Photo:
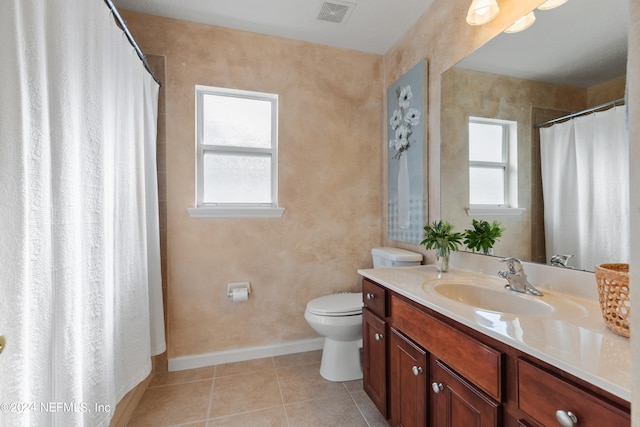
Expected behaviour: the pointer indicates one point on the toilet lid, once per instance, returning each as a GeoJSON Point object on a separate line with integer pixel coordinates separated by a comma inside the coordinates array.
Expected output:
{"type": "Point", "coordinates": [343, 304]}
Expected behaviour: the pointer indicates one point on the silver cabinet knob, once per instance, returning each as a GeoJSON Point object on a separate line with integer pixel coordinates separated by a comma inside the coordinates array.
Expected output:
{"type": "Point", "coordinates": [370, 296]}
{"type": "Point", "coordinates": [378, 337]}
{"type": "Point", "coordinates": [417, 370]}
{"type": "Point", "coordinates": [566, 418]}
{"type": "Point", "coordinates": [437, 387]}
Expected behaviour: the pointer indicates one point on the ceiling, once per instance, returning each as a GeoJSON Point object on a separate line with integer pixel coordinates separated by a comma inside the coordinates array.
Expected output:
{"type": "Point", "coordinates": [581, 43]}
{"type": "Point", "coordinates": [371, 26]}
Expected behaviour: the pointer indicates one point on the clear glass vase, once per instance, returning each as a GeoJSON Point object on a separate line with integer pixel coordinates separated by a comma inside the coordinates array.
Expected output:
{"type": "Point", "coordinates": [442, 260]}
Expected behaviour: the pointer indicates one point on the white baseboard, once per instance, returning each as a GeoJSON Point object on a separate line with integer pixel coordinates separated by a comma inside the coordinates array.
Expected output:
{"type": "Point", "coordinates": [245, 353]}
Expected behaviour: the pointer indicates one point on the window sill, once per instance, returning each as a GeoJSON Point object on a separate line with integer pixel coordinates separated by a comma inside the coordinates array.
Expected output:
{"type": "Point", "coordinates": [494, 211]}
{"type": "Point", "coordinates": [235, 212]}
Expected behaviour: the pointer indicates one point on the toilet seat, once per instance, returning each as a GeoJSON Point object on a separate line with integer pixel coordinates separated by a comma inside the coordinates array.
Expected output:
{"type": "Point", "coordinates": [342, 304]}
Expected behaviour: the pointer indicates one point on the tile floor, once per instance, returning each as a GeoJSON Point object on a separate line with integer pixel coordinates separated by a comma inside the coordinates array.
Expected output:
{"type": "Point", "coordinates": [282, 391]}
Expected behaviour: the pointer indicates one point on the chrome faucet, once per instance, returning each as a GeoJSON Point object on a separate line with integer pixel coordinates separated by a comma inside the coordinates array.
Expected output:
{"type": "Point", "coordinates": [517, 278]}
{"type": "Point", "coordinates": [560, 260]}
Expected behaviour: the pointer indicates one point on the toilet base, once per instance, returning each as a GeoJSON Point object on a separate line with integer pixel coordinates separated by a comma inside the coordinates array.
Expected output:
{"type": "Point", "coordinates": [341, 360]}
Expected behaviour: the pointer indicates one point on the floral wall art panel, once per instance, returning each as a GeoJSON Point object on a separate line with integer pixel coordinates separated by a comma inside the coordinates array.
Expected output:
{"type": "Point", "coordinates": [406, 100]}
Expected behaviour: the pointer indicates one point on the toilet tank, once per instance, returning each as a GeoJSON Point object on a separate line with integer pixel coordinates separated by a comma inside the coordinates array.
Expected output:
{"type": "Point", "coordinates": [394, 257]}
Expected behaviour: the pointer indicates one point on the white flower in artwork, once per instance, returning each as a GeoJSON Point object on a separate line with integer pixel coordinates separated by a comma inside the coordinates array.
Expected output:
{"type": "Point", "coordinates": [412, 117]}
{"type": "Point", "coordinates": [396, 118]}
{"type": "Point", "coordinates": [403, 121]}
{"type": "Point", "coordinates": [405, 96]}
{"type": "Point", "coordinates": [402, 133]}
{"type": "Point", "coordinates": [400, 144]}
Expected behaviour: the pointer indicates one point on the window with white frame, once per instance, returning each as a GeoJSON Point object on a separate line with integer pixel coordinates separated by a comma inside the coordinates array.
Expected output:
{"type": "Point", "coordinates": [236, 153]}
{"type": "Point", "coordinates": [492, 163]}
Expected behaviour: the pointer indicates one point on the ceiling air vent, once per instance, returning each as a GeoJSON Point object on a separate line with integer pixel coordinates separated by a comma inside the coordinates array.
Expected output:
{"type": "Point", "coordinates": [335, 11]}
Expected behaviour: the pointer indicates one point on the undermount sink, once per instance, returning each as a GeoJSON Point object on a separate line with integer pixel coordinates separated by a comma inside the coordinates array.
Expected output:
{"type": "Point", "coordinates": [491, 299]}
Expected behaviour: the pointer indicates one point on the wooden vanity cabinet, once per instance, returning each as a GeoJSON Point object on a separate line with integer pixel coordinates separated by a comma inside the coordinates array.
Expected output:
{"type": "Point", "coordinates": [374, 359]}
{"type": "Point", "coordinates": [409, 374]}
{"type": "Point", "coordinates": [481, 365]}
{"type": "Point", "coordinates": [455, 402]}
{"type": "Point", "coordinates": [374, 345]}
{"type": "Point", "coordinates": [374, 298]}
{"type": "Point", "coordinates": [433, 371]}
{"type": "Point", "coordinates": [542, 395]}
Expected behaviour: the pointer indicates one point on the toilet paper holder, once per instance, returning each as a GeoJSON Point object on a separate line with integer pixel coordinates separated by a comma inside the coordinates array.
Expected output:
{"type": "Point", "coordinates": [231, 286]}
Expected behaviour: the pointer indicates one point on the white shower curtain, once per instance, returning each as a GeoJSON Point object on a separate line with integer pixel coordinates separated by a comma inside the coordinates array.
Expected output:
{"type": "Point", "coordinates": [585, 181]}
{"type": "Point", "coordinates": [80, 290]}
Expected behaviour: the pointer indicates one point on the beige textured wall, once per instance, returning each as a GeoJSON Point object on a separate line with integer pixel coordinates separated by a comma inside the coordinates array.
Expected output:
{"type": "Point", "coordinates": [607, 91]}
{"type": "Point", "coordinates": [330, 128]}
{"type": "Point", "coordinates": [470, 93]}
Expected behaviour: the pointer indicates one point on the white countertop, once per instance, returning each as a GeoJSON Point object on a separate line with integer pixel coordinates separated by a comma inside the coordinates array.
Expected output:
{"type": "Point", "coordinates": [572, 336]}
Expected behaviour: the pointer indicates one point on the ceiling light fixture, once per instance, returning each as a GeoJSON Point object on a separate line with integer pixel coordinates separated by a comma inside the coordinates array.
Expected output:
{"type": "Point", "coordinates": [550, 4]}
{"type": "Point", "coordinates": [482, 11]}
{"type": "Point", "coordinates": [522, 24]}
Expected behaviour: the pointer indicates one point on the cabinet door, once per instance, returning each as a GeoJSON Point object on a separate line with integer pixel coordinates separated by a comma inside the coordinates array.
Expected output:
{"type": "Point", "coordinates": [479, 363]}
{"type": "Point", "coordinates": [374, 360]}
{"type": "Point", "coordinates": [408, 380]}
{"type": "Point", "coordinates": [457, 403]}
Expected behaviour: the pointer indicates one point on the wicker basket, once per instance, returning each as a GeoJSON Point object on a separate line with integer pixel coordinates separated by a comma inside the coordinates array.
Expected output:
{"type": "Point", "coordinates": [613, 293]}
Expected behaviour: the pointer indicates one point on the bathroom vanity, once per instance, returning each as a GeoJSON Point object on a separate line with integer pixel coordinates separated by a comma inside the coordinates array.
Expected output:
{"type": "Point", "coordinates": [457, 349]}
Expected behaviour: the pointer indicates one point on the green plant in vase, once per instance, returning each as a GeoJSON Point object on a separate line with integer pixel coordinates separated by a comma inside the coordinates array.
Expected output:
{"type": "Point", "coordinates": [441, 237]}
{"type": "Point", "coordinates": [482, 236]}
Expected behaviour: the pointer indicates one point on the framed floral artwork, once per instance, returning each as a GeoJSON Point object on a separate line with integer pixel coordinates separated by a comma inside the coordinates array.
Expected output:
{"type": "Point", "coordinates": [406, 107]}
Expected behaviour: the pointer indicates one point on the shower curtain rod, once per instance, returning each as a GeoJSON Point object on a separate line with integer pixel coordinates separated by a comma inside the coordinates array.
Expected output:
{"type": "Point", "coordinates": [580, 113]}
{"type": "Point", "coordinates": [126, 31]}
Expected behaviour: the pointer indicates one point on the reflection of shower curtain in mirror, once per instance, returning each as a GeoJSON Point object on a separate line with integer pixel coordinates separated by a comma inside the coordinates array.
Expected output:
{"type": "Point", "coordinates": [585, 181]}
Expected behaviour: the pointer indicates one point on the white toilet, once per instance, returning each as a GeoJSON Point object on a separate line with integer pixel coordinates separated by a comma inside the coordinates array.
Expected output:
{"type": "Point", "coordinates": [338, 318]}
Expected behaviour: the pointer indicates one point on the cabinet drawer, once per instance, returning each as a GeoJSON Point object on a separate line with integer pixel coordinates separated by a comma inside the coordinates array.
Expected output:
{"type": "Point", "coordinates": [478, 363]}
{"type": "Point", "coordinates": [541, 394]}
{"type": "Point", "coordinates": [374, 297]}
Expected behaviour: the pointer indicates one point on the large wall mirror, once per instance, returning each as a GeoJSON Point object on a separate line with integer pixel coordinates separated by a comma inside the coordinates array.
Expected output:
{"type": "Point", "coordinates": [571, 59]}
